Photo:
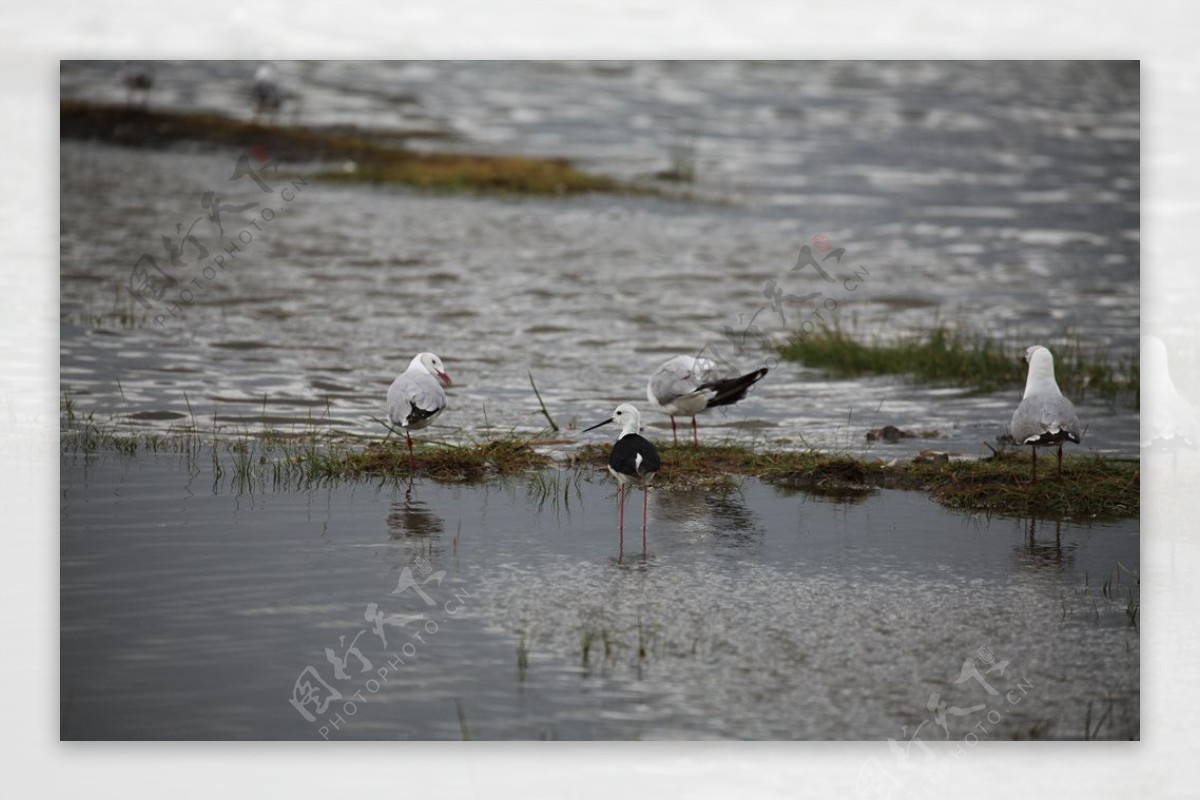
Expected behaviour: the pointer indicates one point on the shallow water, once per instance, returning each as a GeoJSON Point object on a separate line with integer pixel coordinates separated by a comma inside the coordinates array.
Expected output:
{"type": "Point", "coordinates": [190, 609]}
{"type": "Point", "coordinates": [1001, 195]}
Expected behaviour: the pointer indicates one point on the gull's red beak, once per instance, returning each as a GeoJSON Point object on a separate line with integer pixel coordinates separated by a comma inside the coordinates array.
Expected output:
{"type": "Point", "coordinates": [445, 378]}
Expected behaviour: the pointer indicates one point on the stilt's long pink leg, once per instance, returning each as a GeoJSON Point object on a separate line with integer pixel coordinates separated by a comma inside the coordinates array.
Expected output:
{"type": "Point", "coordinates": [621, 525]}
{"type": "Point", "coordinates": [645, 508]}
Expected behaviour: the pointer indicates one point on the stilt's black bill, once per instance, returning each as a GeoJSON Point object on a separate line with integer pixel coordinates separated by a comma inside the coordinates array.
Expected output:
{"type": "Point", "coordinates": [606, 422]}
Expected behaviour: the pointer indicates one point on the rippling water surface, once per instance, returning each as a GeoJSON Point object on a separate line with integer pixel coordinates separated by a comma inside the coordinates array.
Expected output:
{"type": "Point", "coordinates": [191, 610]}
{"type": "Point", "coordinates": [1000, 195]}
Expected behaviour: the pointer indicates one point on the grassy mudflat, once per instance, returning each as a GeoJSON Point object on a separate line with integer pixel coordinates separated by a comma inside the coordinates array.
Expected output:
{"type": "Point", "coordinates": [1091, 487]}
{"type": "Point", "coordinates": [373, 158]}
{"type": "Point", "coordinates": [945, 355]}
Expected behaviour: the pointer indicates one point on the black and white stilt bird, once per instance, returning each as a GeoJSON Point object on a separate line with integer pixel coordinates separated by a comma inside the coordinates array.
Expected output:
{"type": "Point", "coordinates": [1044, 416]}
{"type": "Point", "coordinates": [416, 397]}
{"type": "Point", "coordinates": [687, 386]}
{"type": "Point", "coordinates": [634, 459]}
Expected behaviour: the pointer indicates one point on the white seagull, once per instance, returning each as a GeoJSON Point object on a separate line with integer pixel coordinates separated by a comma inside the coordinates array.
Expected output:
{"type": "Point", "coordinates": [1044, 416]}
{"type": "Point", "coordinates": [267, 95]}
{"type": "Point", "coordinates": [1168, 420]}
{"type": "Point", "coordinates": [416, 397]}
{"type": "Point", "coordinates": [633, 459]}
{"type": "Point", "coordinates": [685, 385]}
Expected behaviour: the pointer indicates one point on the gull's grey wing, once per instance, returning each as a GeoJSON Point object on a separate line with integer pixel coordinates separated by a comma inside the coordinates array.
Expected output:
{"type": "Point", "coordinates": [1045, 419]}
{"type": "Point", "coordinates": [673, 380]}
{"type": "Point", "coordinates": [414, 398]}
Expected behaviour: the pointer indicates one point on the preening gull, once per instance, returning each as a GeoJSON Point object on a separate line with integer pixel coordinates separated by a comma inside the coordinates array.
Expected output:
{"type": "Point", "coordinates": [686, 385]}
{"type": "Point", "coordinates": [633, 459]}
{"type": "Point", "coordinates": [416, 397]}
{"type": "Point", "coordinates": [1044, 416]}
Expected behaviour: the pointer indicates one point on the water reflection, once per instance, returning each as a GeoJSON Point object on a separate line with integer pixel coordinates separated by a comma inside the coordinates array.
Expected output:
{"type": "Point", "coordinates": [707, 516]}
{"type": "Point", "coordinates": [1043, 546]}
{"type": "Point", "coordinates": [740, 623]}
{"type": "Point", "coordinates": [412, 517]}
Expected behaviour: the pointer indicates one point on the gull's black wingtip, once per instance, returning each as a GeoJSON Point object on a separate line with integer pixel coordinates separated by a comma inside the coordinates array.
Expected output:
{"type": "Point", "coordinates": [732, 390]}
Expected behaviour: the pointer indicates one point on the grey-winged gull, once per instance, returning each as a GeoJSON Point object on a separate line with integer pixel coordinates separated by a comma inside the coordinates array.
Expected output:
{"type": "Point", "coordinates": [416, 397]}
{"type": "Point", "coordinates": [686, 385]}
{"type": "Point", "coordinates": [633, 459]}
{"type": "Point", "coordinates": [1044, 416]}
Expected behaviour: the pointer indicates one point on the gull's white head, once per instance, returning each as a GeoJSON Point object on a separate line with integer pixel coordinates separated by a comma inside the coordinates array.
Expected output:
{"type": "Point", "coordinates": [1041, 370]}
{"type": "Point", "coordinates": [430, 363]}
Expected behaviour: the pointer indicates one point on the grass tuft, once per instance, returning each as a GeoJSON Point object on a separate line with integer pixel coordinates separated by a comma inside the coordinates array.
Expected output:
{"type": "Point", "coordinates": [945, 355]}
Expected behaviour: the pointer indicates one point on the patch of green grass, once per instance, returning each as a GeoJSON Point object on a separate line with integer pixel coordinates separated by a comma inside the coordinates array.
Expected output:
{"type": "Point", "coordinates": [514, 175]}
{"type": "Point", "coordinates": [945, 355]}
{"type": "Point", "coordinates": [317, 455]}
{"type": "Point", "coordinates": [1091, 487]}
{"type": "Point", "coordinates": [443, 462]}
{"type": "Point", "coordinates": [372, 158]}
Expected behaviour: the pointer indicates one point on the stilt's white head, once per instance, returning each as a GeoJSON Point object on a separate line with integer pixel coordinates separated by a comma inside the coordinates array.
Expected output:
{"type": "Point", "coordinates": [430, 363]}
{"type": "Point", "coordinates": [627, 417]}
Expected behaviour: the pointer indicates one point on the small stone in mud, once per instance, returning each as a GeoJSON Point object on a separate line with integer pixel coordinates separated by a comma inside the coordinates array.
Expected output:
{"type": "Point", "coordinates": [932, 457]}
{"type": "Point", "coordinates": [887, 434]}
{"type": "Point", "coordinates": [893, 434]}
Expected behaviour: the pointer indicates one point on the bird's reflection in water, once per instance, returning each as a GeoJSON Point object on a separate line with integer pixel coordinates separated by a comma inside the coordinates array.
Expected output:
{"type": "Point", "coordinates": [1043, 545]}
{"type": "Point", "coordinates": [700, 515]}
{"type": "Point", "coordinates": [412, 517]}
